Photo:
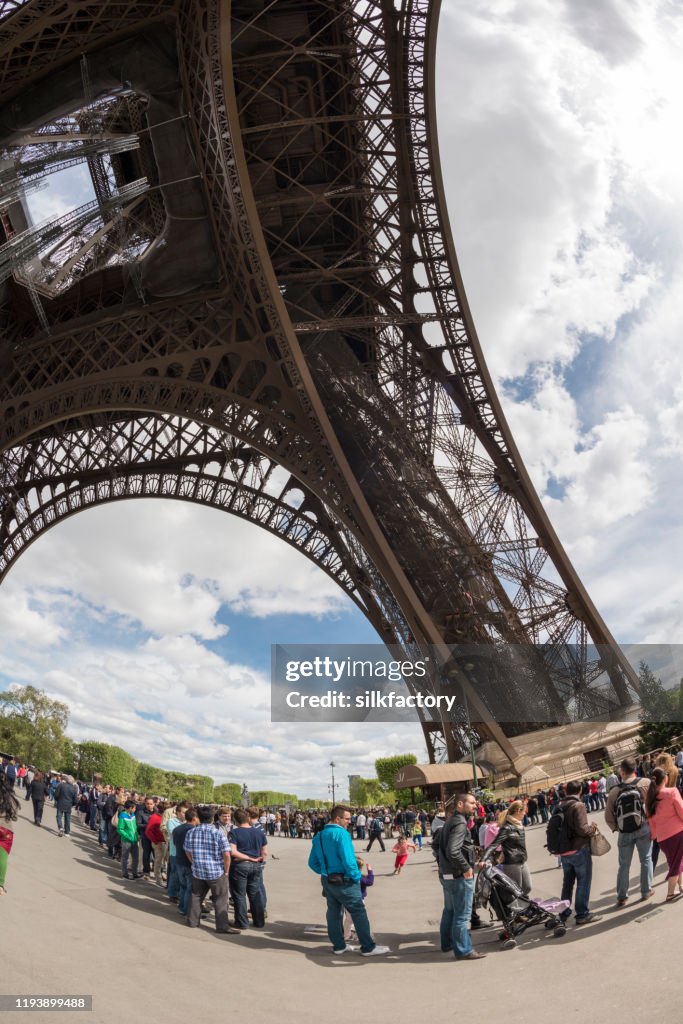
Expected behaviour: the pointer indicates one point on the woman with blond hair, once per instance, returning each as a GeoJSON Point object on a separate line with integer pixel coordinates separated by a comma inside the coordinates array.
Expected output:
{"type": "Point", "coordinates": [664, 806]}
{"type": "Point", "coordinates": [510, 845]}
{"type": "Point", "coordinates": [667, 763]}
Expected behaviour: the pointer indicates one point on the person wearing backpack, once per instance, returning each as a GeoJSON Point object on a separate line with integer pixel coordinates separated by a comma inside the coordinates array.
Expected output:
{"type": "Point", "coordinates": [376, 833]}
{"type": "Point", "coordinates": [625, 814]}
{"type": "Point", "coordinates": [569, 833]}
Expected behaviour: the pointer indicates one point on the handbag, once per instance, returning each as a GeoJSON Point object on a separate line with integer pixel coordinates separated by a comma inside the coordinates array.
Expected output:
{"type": "Point", "coordinates": [599, 844]}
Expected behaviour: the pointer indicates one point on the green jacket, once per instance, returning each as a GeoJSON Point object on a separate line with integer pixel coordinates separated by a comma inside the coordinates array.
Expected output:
{"type": "Point", "coordinates": [128, 828]}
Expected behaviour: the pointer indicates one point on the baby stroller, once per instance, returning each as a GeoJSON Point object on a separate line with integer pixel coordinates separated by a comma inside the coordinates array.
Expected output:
{"type": "Point", "coordinates": [514, 910]}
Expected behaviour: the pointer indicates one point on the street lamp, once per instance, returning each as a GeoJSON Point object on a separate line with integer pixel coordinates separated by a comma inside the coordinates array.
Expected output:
{"type": "Point", "coordinates": [332, 766]}
{"type": "Point", "coordinates": [468, 668]}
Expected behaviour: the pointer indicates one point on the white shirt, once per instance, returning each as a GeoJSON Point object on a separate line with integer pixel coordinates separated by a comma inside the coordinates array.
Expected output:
{"type": "Point", "coordinates": [360, 820]}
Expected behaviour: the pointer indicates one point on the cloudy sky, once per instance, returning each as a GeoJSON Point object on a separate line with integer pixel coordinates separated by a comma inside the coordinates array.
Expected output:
{"type": "Point", "coordinates": [561, 147]}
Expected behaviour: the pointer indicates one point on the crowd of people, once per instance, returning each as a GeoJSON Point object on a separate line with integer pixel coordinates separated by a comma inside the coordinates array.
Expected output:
{"type": "Point", "coordinates": [195, 851]}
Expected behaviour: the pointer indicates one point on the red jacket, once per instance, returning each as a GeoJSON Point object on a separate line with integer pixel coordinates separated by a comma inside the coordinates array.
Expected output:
{"type": "Point", "coordinates": [153, 830]}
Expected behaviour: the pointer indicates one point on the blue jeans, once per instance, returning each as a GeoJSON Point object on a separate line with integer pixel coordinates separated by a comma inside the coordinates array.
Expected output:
{"type": "Point", "coordinates": [246, 880]}
{"type": "Point", "coordinates": [339, 898]}
{"type": "Point", "coordinates": [104, 831]}
{"type": "Point", "coordinates": [577, 867]}
{"type": "Point", "coordinates": [172, 886]}
{"type": "Point", "coordinates": [184, 875]}
{"type": "Point", "coordinates": [64, 820]}
{"type": "Point", "coordinates": [626, 843]}
{"type": "Point", "coordinates": [458, 894]}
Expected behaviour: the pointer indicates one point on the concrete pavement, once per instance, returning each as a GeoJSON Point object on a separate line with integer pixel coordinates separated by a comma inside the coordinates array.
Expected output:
{"type": "Point", "coordinates": [70, 924]}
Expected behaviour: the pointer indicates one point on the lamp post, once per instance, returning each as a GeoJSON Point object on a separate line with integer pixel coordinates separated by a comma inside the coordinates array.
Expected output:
{"type": "Point", "coordinates": [468, 668]}
{"type": "Point", "coordinates": [332, 787]}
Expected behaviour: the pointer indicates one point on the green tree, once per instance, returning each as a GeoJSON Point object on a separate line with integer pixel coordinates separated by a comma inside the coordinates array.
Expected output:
{"type": "Point", "coordinates": [32, 726]}
{"type": "Point", "coordinates": [114, 764]}
{"type": "Point", "coordinates": [660, 713]}
{"type": "Point", "coordinates": [149, 780]}
{"type": "Point", "coordinates": [227, 793]}
{"type": "Point", "coordinates": [386, 768]}
{"type": "Point", "coordinates": [369, 793]}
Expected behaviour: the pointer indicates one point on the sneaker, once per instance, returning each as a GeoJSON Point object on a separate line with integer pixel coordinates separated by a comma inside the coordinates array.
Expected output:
{"type": "Point", "coordinates": [60, 833]}
{"type": "Point", "coordinates": [588, 919]}
{"type": "Point", "coordinates": [377, 951]}
{"type": "Point", "coordinates": [472, 956]}
{"type": "Point", "coordinates": [347, 949]}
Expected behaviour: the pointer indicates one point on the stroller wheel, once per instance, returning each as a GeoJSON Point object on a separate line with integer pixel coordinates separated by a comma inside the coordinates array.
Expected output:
{"type": "Point", "coordinates": [509, 944]}
{"type": "Point", "coordinates": [559, 931]}
{"type": "Point", "coordinates": [550, 924]}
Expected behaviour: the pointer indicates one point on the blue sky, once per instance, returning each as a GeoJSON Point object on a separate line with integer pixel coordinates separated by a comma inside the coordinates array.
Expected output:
{"type": "Point", "coordinates": [560, 138]}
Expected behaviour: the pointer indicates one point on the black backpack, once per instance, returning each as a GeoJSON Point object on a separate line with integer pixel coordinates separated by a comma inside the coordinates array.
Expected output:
{"type": "Point", "coordinates": [628, 807]}
{"type": "Point", "coordinates": [557, 839]}
{"type": "Point", "coordinates": [436, 843]}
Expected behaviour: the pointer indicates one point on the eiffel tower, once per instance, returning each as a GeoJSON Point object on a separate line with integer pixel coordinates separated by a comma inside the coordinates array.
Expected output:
{"type": "Point", "coordinates": [261, 311]}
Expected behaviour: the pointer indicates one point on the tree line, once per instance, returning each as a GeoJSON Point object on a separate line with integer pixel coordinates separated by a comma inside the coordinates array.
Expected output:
{"type": "Point", "coordinates": [33, 729]}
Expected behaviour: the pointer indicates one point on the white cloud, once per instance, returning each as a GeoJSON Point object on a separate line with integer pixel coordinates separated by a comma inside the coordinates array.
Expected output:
{"type": "Point", "coordinates": [170, 567]}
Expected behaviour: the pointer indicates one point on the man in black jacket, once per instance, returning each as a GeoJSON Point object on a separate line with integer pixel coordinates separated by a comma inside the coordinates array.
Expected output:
{"type": "Point", "coordinates": [142, 815]}
{"type": "Point", "coordinates": [66, 795]}
{"type": "Point", "coordinates": [456, 859]}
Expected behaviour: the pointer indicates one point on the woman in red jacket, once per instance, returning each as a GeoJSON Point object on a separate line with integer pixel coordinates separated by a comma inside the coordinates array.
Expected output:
{"type": "Point", "coordinates": [158, 841]}
{"type": "Point", "coordinates": [664, 807]}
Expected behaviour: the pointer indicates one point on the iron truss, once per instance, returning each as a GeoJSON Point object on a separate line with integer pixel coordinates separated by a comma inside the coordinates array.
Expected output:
{"type": "Point", "coordinates": [317, 371]}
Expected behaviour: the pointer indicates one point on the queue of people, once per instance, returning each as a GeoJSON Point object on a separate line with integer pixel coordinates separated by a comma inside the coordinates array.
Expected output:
{"type": "Point", "coordinates": [193, 852]}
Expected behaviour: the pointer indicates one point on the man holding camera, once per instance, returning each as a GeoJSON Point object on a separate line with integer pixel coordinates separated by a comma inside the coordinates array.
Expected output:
{"type": "Point", "coordinates": [333, 858]}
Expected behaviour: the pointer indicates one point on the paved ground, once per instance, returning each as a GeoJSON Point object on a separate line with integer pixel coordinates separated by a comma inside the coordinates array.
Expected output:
{"type": "Point", "coordinates": [69, 924]}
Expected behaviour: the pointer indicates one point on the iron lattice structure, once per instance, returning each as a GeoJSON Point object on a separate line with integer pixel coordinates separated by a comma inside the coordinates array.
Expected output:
{"type": "Point", "coordinates": [297, 349]}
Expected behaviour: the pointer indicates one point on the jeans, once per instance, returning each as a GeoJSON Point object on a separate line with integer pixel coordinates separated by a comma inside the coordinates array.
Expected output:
{"type": "Point", "coordinates": [172, 883]}
{"type": "Point", "coordinates": [378, 837]}
{"type": "Point", "coordinates": [104, 830]}
{"type": "Point", "coordinates": [64, 821]}
{"type": "Point", "coordinates": [544, 814]}
{"type": "Point", "coordinates": [340, 897]}
{"type": "Point", "coordinates": [577, 867]}
{"type": "Point", "coordinates": [642, 842]}
{"type": "Point", "coordinates": [129, 849]}
{"type": "Point", "coordinates": [246, 881]}
{"type": "Point", "coordinates": [219, 892]}
{"type": "Point", "coordinates": [458, 894]}
{"type": "Point", "coordinates": [92, 816]}
{"type": "Point", "coordinates": [361, 832]}
{"type": "Point", "coordinates": [184, 876]}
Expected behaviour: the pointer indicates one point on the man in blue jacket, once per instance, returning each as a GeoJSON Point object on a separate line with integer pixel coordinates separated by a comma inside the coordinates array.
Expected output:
{"type": "Point", "coordinates": [334, 859]}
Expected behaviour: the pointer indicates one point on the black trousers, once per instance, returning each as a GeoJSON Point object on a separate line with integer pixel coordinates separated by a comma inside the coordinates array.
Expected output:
{"type": "Point", "coordinates": [378, 836]}
{"type": "Point", "coordinates": [38, 810]}
{"type": "Point", "coordinates": [146, 855]}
